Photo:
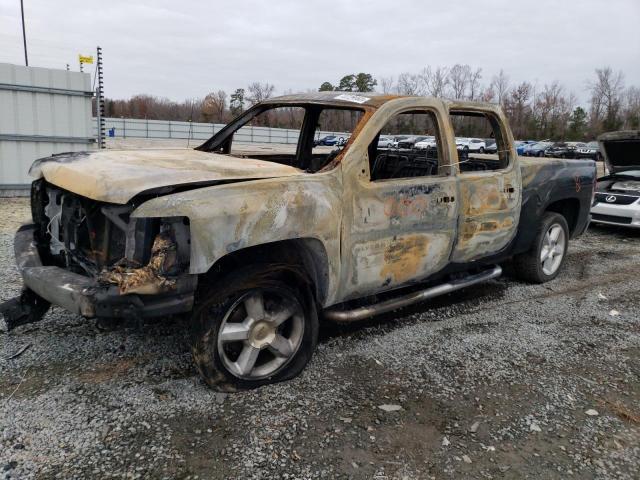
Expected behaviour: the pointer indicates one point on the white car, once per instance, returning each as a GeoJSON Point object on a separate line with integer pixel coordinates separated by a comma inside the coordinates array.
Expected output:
{"type": "Point", "coordinates": [471, 144]}
{"type": "Point", "coordinates": [617, 197]}
{"type": "Point", "coordinates": [385, 142]}
{"type": "Point", "coordinates": [426, 144]}
{"type": "Point", "coordinates": [590, 150]}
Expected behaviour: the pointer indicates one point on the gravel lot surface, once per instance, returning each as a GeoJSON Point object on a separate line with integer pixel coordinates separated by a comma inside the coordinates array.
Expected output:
{"type": "Point", "coordinates": [504, 381]}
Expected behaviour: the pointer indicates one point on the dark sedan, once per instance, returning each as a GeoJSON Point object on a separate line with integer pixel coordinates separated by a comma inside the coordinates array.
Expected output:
{"type": "Point", "coordinates": [409, 143]}
{"type": "Point", "coordinates": [329, 141]}
{"type": "Point", "coordinates": [560, 150]}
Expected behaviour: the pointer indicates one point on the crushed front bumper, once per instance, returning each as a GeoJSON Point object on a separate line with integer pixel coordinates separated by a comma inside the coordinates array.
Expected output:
{"type": "Point", "coordinates": [84, 296]}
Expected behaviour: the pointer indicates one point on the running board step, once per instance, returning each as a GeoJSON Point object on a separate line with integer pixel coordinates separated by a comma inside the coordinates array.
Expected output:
{"type": "Point", "coordinates": [415, 297]}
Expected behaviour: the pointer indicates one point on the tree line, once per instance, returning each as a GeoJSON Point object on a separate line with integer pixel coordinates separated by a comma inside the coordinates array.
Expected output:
{"type": "Point", "coordinates": [535, 112]}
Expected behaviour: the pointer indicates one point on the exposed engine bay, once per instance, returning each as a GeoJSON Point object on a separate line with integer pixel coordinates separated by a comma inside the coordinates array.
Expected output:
{"type": "Point", "coordinates": [100, 240]}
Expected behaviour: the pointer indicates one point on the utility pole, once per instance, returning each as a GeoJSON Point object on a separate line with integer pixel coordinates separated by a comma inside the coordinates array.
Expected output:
{"type": "Point", "coordinates": [24, 35]}
{"type": "Point", "coordinates": [100, 100]}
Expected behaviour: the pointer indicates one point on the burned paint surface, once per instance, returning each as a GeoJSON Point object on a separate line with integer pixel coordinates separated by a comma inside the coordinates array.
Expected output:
{"type": "Point", "coordinates": [227, 218]}
{"type": "Point", "coordinates": [116, 176]}
{"type": "Point", "coordinates": [377, 235]}
{"type": "Point", "coordinates": [489, 213]}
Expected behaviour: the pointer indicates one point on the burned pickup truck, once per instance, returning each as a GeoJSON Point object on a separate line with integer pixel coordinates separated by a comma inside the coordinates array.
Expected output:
{"type": "Point", "coordinates": [261, 243]}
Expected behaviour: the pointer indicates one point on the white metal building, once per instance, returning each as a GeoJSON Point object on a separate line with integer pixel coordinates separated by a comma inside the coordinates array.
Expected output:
{"type": "Point", "coordinates": [42, 111]}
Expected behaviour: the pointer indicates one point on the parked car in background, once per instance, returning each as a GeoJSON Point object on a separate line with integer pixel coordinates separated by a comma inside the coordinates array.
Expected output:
{"type": "Point", "coordinates": [526, 147]}
{"type": "Point", "coordinates": [410, 142]}
{"type": "Point", "coordinates": [560, 150]}
{"type": "Point", "coordinates": [537, 149]}
{"type": "Point", "coordinates": [342, 141]}
{"type": "Point", "coordinates": [470, 144]}
{"type": "Point", "coordinates": [329, 141]}
{"type": "Point", "coordinates": [427, 144]}
{"type": "Point", "coordinates": [590, 150]}
{"type": "Point", "coordinates": [490, 145]}
{"type": "Point", "coordinates": [385, 142]}
{"type": "Point", "coordinates": [617, 197]}
{"type": "Point", "coordinates": [522, 145]}
{"type": "Point", "coordinates": [397, 139]}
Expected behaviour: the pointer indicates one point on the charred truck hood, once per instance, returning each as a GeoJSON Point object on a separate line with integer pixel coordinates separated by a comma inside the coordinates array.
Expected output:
{"type": "Point", "coordinates": [621, 150]}
{"type": "Point", "coordinates": [116, 176]}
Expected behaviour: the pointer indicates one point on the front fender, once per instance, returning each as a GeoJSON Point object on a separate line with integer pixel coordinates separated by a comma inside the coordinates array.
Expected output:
{"type": "Point", "coordinates": [227, 218]}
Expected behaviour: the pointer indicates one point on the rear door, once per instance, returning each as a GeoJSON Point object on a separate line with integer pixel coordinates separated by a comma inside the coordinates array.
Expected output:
{"type": "Point", "coordinates": [490, 187]}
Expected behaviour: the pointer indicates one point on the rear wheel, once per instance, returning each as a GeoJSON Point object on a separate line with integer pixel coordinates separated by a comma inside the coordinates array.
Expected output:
{"type": "Point", "coordinates": [481, 150]}
{"type": "Point", "coordinates": [544, 260]}
{"type": "Point", "coordinates": [253, 328]}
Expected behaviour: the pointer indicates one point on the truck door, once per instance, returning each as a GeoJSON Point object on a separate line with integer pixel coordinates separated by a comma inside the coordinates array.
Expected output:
{"type": "Point", "coordinates": [489, 185]}
{"type": "Point", "coordinates": [400, 204]}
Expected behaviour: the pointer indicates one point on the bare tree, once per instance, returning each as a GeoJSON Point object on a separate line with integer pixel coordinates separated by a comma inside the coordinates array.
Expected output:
{"type": "Point", "coordinates": [518, 109]}
{"type": "Point", "coordinates": [214, 107]}
{"type": "Point", "coordinates": [258, 92]}
{"type": "Point", "coordinates": [500, 85]}
{"type": "Point", "coordinates": [436, 81]}
{"type": "Point", "coordinates": [632, 108]}
{"type": "Point", "coordinates": [474, 83]}
{"type": "Point", "coordinates": [386, 84]}
{"type": "Point", "coordinates": [410, 84]}
{"type": "Point", "coordinates": [459, 77]}
{"type": "Point", "coordinates": [553, 110]}
{"type": "Point", "coordinates": [606, 99]}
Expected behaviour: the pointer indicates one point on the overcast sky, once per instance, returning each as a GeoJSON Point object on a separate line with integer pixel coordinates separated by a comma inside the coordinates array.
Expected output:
{"type": "Point", "coordinates": [184, 49]}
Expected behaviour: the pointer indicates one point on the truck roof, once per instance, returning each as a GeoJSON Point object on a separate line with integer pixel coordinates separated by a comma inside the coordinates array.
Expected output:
{"type": "Point", "coordinates": [353, 99]}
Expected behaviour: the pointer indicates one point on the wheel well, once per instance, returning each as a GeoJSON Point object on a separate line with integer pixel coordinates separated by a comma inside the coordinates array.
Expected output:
{"type": "Point", "coordinates": [569, 208]}
{"type": "Point", "coordinates": [307, 256]}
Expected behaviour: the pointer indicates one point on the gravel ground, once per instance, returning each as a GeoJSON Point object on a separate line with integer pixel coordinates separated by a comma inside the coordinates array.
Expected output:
{"type": "Point", "coordinates": [504, 381]}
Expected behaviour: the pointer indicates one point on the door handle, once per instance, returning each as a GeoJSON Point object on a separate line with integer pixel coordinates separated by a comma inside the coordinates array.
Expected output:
{"type": "Point", "coordinates": [509, 189]}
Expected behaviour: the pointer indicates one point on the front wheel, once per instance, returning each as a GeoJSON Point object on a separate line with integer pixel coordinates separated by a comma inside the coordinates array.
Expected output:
{"type": "Point", "coordinates": [253, 328]}
{"type": "Point", "coordinates": [481, 150]}
{"type": "Point", "coordinates": [544, 260]}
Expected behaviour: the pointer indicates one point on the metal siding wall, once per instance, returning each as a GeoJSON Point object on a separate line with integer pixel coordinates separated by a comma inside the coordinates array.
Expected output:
{"type": "Point", "coordinates": [41, 113]}
{"type": "Point", "coordinates": [165, 129]}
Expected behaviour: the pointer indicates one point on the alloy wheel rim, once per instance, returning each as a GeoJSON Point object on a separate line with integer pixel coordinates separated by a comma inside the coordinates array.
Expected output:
{"type": "Point", "coordinates": [261, 333]}
{"type": "Point", "coordinates": [552, 250]}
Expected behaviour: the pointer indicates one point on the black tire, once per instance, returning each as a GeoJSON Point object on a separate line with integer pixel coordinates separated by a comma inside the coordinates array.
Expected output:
{"type": "Point", "coordinates": [528, 266]}
{"type": "Point", "coordinates": [540, 154]}
{"type": "Point", "coordinates": [214, 302]}
{"type": "Point", "coordinates": [481, 150]}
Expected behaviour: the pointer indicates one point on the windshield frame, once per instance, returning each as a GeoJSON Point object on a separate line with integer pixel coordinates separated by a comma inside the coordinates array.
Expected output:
{"type": "Point", "coordinates": [221, 141]}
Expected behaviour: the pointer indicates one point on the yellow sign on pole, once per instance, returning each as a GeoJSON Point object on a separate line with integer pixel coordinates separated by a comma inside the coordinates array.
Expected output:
{"type": "Point", "coordinates": [85, 59]}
